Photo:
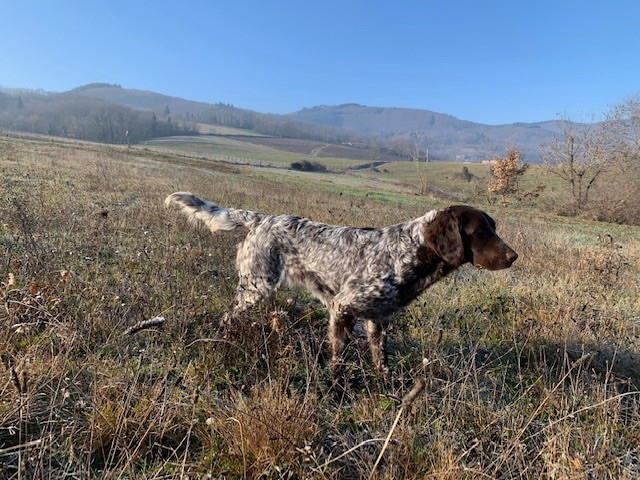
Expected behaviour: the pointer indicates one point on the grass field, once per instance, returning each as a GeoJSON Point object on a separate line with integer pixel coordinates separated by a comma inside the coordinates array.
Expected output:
{"type": "Point", "coordinates": [532, 372]}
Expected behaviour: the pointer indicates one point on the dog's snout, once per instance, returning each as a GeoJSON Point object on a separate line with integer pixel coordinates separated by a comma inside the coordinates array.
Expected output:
{"type": "Point", "coordinates": [512, 256]}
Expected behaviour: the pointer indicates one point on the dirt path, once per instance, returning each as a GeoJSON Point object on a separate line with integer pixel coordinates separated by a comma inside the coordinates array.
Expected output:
{"type": "Point", "coordinates": [316, 151]}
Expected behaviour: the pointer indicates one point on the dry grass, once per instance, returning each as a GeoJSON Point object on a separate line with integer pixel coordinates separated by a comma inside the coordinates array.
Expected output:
{"type": "Point", "coordinates": [531, 372]}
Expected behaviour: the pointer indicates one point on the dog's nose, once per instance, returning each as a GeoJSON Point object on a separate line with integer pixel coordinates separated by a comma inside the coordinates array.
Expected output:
{"type": "Point", "coordinates": [512, 256]}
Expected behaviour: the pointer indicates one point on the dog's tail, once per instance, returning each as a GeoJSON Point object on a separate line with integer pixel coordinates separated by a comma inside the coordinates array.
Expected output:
{"type": "Point", "coordinates": [214, 217]}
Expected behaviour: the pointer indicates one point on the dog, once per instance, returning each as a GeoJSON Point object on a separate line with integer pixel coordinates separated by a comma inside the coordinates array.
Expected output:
{"type": "Point", "coordinates": [357, 273]}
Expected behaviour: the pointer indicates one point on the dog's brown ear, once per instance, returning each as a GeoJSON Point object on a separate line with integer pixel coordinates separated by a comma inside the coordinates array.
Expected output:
{"type": "Point", "coordinates": [443, 236]}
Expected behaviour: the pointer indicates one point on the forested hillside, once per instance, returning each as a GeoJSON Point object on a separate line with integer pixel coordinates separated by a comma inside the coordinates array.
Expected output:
{"type": "Point", "coordinates": [75, 116]}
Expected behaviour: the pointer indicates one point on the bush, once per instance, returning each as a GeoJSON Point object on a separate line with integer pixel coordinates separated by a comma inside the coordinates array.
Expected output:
{"type": "Point", "coordinates": [307, 166]}
{"type": "Point", "coordinates": [466, 175]}
{"type": "Point", "coordinates": [506, 173]}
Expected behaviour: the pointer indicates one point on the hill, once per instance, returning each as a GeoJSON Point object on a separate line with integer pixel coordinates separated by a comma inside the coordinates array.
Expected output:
{"type": "Point", "coordinates": [219, 113]}
{"type": "Point", "coordinates": [386, 130]}
{"type": "Point", "coordinates": [141, 99]}
{"type": "Point", "coordinates": [447, 137]}
{"type": "Point", "coordinates": [82, 117]}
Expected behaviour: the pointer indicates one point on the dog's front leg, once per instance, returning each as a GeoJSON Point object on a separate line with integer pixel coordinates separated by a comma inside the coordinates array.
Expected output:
{"type": "Point", "coordinates": [377, 334]}
{"type": "Point", "coordinates": [251, 291]}
{"type": "Point", "coordinates": [340, 326]}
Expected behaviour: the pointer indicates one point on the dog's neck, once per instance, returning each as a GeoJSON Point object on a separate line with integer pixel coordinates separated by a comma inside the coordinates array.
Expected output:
{"type": "Point", "coordinates": [428, 269]}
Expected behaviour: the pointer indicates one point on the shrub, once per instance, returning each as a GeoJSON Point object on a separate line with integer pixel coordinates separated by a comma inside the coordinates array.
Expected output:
{"type": "Point", "coordinates": [307, 166]}
{"type": "Point", "coordinates": [506, 172]}
{"type": "Point", "coordinates": [466, 175]}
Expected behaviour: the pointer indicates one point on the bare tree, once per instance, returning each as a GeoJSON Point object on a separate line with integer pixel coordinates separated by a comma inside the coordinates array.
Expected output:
{"type": "Point", "coordinates": [619, 137]}
{"type": "Point", "coordinates": [419, 154]}
{"type": "Point", "coordinates": [620, 131]}
{"type": "Point", "coordinates": [577, 158]}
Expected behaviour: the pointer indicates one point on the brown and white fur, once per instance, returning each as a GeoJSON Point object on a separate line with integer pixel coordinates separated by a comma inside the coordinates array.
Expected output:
{"type": "Point", "coordinates": [365, 273]}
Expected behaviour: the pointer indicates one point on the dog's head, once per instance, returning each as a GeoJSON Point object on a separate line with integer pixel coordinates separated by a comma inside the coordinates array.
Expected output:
{"type": "Point", "coordinates": [462, 234]}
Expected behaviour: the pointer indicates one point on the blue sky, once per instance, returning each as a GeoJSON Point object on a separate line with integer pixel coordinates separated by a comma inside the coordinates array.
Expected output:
{"type": "Point", "coordinates": [485, 61]}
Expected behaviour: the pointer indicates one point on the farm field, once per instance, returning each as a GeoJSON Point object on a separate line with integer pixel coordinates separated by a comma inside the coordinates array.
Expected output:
{"type": "Point", "coordinates": [444, 180]}
{"type": "Point", "coordinates": [531, 372]}
{"type": "Point", "coordinates": [251, 150]}
{"type": "Point", "coordinates": [208, 129]}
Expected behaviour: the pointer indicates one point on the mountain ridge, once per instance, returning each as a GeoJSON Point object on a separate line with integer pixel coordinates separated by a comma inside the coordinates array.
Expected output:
{"type": "Point", "coordinates": [445, 134]}
{"type": "Point", "coordinates": [398, 129]}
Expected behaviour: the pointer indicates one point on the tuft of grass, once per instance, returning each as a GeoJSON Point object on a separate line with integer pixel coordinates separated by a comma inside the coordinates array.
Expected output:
{"type": "Point", "coordinates": [265, 432]}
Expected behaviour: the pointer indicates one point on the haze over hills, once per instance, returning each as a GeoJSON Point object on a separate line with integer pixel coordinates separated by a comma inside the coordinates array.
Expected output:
{"type": "Point", "coordinates": [390, 129]}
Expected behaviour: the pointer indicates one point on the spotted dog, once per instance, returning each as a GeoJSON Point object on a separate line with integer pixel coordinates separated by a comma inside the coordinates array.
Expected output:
{"type": "Point", "coordinates": [357, 273]}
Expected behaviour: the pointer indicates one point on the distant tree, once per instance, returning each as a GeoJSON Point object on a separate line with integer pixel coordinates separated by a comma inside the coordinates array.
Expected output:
{"type": "Point", "coordinates": [90, 86]}
{"type": "Point", "coordinates": [506, 173]}
{"type": "Point", "coordinates": [167, 111]}
{"type": "Point", "coordinates": [154, 125]}
{"type": "Point", "coordinates": [20, 103]}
